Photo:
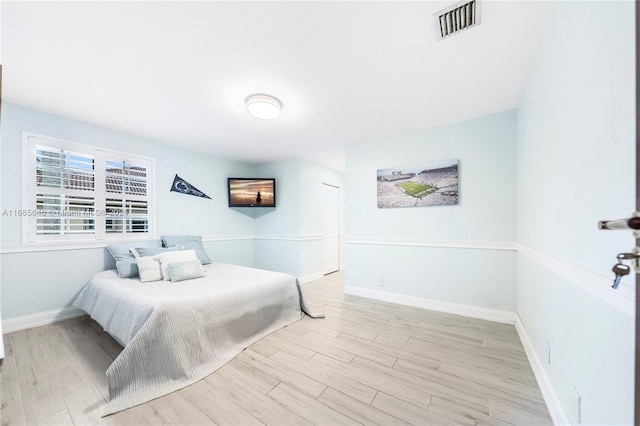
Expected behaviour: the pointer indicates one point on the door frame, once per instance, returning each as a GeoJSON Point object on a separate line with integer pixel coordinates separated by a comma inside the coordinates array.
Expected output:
{"type": "Point", "coordinates": [339, 229]}
{"type": "Point", "coordinates": [637, 334]}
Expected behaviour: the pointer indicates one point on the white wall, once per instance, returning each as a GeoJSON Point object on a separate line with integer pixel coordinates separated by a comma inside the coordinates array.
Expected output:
{"type": "Point", "coordinates": [485, 216]}
{"type": "Point", "coordinates": [38, 281]}
{"type": "Point", "coordinates": [576, 166]}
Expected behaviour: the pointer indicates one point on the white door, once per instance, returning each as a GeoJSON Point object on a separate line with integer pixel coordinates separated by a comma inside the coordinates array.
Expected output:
{"type": "Point", "coordinates": [331, 228]}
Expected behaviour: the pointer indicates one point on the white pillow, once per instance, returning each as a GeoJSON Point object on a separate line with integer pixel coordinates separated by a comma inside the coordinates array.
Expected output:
{"type": "Point", "coordinates": [174, 256]}
{"type": "Point", "coordinates": [149, 269]}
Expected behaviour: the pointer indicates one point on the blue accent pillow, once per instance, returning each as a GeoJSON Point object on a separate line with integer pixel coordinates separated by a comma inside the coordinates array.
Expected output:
{"type": "Point", "coordinates": [188, 242]}
{"type": "Point", "coordinates": [125, 262]}
{"type": "Point", "coordinates": [188, 270]}
{"type": "Point", "coordinates": [152, 251]}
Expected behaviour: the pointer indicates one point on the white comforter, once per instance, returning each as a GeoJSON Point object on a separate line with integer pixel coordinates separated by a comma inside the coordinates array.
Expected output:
{"type": "Point", "coordinates": [174, 334]}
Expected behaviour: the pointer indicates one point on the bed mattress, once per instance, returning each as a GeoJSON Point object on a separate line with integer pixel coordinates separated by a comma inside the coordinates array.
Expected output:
{"type": "Point", "coordinates": [174, 334]}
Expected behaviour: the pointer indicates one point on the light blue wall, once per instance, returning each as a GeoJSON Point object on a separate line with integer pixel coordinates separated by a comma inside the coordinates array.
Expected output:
{"type": "Point", "coordinates": [277, 230]}
{"type": "Point", "coordinates": [486, 150]}
{"type": "Point", "coordinates": [576, 134]}
{"type": "Point", "coordinates": [284, 220]}
{"type": "Point", "coordinates": [174, 212]}
{"type": "Point", "coordinates": [592, 345]}
{"type": "Point", "coordinates": [39, 281]}
{"type": "Point", "coordinates": [576, 166]}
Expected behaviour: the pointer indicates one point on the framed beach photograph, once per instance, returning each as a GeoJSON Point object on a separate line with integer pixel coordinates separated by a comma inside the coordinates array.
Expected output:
{"type": "Point", "coordinates": [432, 184]}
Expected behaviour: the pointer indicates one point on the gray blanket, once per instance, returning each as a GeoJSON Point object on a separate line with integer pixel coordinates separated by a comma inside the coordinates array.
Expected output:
{"type": "Point", "coordinates": [177, 334]}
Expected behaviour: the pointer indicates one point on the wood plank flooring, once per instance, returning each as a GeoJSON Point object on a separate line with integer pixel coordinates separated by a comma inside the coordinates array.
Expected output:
{"type": "Point", "coordinates": [368, 362]}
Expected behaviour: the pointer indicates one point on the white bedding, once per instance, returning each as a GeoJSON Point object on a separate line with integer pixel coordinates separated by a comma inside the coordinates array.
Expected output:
{"type": "Point", "coordinates": [122, 305]}
{"type": "Point", "coordinates": [175, 334]}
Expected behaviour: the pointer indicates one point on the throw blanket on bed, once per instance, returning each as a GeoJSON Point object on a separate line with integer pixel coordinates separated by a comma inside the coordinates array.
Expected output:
{"type": "Point", "coordinates": [177, 334]}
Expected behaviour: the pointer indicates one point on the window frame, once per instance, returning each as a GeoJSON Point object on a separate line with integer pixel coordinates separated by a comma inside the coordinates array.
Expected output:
{"type": "Point", "coordinates": [100, 154]}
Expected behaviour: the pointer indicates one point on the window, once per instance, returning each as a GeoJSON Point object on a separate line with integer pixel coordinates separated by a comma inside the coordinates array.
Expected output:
{"type": "Point", "coordinates": [80, 192]}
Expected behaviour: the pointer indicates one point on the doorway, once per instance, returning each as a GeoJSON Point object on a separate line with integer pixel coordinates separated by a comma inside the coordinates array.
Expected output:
{"type": "Point", "coordinates": [331, 228]}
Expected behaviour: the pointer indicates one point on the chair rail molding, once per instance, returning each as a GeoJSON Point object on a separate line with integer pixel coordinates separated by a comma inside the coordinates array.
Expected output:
{"type": "Point", "coordinates": [590, 281]}
{"type": "Point", "coordinates": [459, 244]}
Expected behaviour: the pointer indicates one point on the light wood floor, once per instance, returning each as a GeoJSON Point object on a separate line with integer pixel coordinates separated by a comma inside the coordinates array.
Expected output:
{"type": "Point", "coordinates": [368, 362]}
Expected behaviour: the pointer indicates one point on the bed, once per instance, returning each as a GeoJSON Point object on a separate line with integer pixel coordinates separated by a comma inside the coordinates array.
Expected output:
{"type": "Point", "coordinates": [175, 334]}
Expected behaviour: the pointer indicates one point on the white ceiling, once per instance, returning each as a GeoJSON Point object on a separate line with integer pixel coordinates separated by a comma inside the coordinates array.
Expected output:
{"type": "Point", "coordinates": [346, 72]}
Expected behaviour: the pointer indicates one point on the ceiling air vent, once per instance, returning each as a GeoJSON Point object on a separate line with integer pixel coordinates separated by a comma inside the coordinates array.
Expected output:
{"type": "Point", "coordinates": [458, 17]}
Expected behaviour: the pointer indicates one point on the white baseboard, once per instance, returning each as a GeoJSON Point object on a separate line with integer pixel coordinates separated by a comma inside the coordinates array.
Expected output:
{"type": "Point", "coordinates": [310, 277]}
{"type": "Point", "coordinates": [435, 305]}
{"type": "Point", "coordinates": [548, 393]}
{"type": "Point", "coordinates": [41, 318]}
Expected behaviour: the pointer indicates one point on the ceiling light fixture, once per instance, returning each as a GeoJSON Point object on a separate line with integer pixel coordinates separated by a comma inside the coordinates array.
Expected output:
{"type": "Point", "coordinates": [264, 107]}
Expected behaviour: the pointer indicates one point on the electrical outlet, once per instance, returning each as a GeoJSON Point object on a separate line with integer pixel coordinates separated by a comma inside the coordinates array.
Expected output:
{"type": "Point", "coordinates": [577, 405]}
{"type": "Point", "coordinates": [380, 282]}
{"type": "Point", "coordinates": [547, 352]}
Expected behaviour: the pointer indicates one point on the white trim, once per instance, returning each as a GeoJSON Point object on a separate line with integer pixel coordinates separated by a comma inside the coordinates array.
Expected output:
{"type": "Point", "coordinates": [301, 237]}
{"type": "Point", "coordinates": [478, 245]}
{"type": "Point", "coordinates": [82, 145]}
{"type": "Point", "coordinates": [26, 186]}
{"type": "Point", "coordinates": [43, 246]}
{"type": "Point", "coordinates": [41, 318]}
{"type": "Point", "coordinates": [556, 411]}
{"type": "Point", "coordinates": [310, 277]}
{"type": "Point", "coordinates": [488, 314]}
{"type": "Point", "coordinates": [592, 282]}
{"type": "Point", "coordinates": [213, 238]}
{"type": "Point", "coordinates": [58, 246]}
{"type": "Point", "coordinates": [343, 267]}
{"type": "Point", "coordinates": [29, 142]}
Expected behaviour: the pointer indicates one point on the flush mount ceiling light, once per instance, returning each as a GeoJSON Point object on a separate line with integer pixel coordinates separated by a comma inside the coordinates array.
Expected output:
{"type": "Point", "coordinates": [264, 107]}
